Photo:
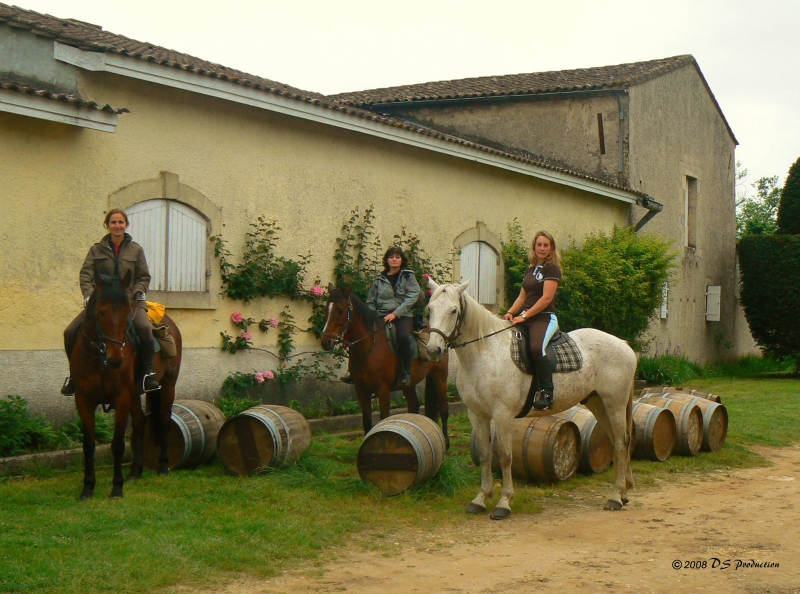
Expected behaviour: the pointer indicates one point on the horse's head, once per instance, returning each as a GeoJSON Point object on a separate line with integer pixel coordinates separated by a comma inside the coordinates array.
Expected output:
{"type": "Point", "coordinates": [339, 310]}
{"type": "Point", "coordinates": [445, 315]}
{"type": "Point", "coordinates": [112, 313]}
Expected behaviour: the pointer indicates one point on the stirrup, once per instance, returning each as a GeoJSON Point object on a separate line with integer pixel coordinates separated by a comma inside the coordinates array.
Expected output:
{"type": "Point", "coordinates": [68, 389]}
{"type": "Point", "coordinates": [144, 383]}
{"type": "Point", "coordinates": [543, 400]}
{"type": "Point", "coordinates": [404, 381]}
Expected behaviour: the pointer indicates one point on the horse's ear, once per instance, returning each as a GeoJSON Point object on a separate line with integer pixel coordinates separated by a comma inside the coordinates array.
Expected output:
{"type": "Point", "coordinates": [126, 280]}
{"type": "Point", "coordinates": [462, 287]}
{"type": "Point", "coordinates": [346, 292]}
{"type": "Point", "coordinates": [432, 284]}
{"type": "Point", "coordinates": [331, 288]}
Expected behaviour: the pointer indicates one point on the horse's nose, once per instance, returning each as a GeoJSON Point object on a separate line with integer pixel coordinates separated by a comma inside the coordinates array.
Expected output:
{"type": "Point", "coordinates": [115, 363]}
{"type": "Point", "coordinates": [327, 344]}
{"type": "Point", "coordinates": [434, 352]}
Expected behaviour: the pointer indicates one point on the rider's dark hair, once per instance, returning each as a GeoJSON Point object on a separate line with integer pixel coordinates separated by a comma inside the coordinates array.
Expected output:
{"type": "Point", "coordinates": [394, 251]}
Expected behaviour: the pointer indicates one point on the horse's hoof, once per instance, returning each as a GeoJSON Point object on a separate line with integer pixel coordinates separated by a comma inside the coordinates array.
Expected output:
{"type": "Point", "coordinates": [624, 501]}
{"type": "Point", "coordinates": [116, 495]}
{"type": "Point", "coordinates": [612, 505]}
{"type": "Point", "coordinates": [133, 477]}
{"type": "Point", "coordinates": [474, 508]}
{"type": "Point", "coordinates": [500, 513]}
{"type": "Point", "coordinates": [85, 497]}
{"type": "Point", "coordinates": [164, 472]}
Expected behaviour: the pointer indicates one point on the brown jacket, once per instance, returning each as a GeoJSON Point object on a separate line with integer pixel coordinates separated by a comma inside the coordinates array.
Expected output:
{"type": "Point", "coordinates": [101, 258]}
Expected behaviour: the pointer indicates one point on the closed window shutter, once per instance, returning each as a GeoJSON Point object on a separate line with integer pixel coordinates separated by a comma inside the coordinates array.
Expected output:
{"type": "Point", "coordinates": [148, 227]}
{"type": "Point", "coordinates": [186, 252]}
{"type": "Point", "coordinates": [713, 303]}
{"type": "Point", "coordinates": [470, 261]}
{"type": "Point", "coordinates": [487, 271]}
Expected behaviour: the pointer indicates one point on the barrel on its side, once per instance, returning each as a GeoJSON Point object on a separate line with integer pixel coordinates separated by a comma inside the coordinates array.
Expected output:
{"type": "Point", "coordinates": [543, 449]}
{"type": "Point", "coordinates": [191, 437]}
{"type": "Point", "coordinates": [664, 389]}
{"type": "Point", "coordinates": [715, 418]}
{"type": "Point", "coordinates": [597, 450]}
{"type": "Point", "coordinates": [655, 434]}
{"type": "Point", "coordinates": [688, 422]}
{"type": "Point", "coordinates": [265, 435]}
{"type": "Point", "coordinates": [400, 452]}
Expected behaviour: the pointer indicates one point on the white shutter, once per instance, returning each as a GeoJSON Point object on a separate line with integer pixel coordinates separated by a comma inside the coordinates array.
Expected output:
{"type": "Point", "coordinates": [470, 262]}
{"type": "Point", "coordinates": [713, 303]}
{"type": "Point", "coordinates": [186, 252]}
{"type": "Point", "coordinates": [487, 270]}
{"type": "Point", "coordinates": [664, 300]}
{"type": "Point", "coordinates": [148, 227]}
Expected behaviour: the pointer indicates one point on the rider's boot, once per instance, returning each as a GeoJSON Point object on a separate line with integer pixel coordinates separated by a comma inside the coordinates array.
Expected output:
{"type": "Point", "coordinates": [147, 350]}
{"type": "Point", "coordinates": [405, 363]}
{"type": "Point", "coordinates": [544, 372]}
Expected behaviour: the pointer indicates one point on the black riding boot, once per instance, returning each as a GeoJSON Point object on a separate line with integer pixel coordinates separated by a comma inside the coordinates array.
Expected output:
{"type": "Point", "coordinates": [544, 371]}
{"type": "Point", "coordinates": [68, 389]}
{"type": "Point", "coordinates": [405, 362]}
{"type": "Point", "coordinates": [147, 349]}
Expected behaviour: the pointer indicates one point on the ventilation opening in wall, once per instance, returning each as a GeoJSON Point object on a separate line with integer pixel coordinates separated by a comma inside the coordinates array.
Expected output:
{"type": "Point", "coordinates": [690, 212]}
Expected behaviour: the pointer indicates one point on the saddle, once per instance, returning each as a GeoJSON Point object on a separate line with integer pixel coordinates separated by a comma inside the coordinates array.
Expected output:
{"type": "Point", "coordinates": [419, 342]}
{"type": "Point", "coordinates": [563, 353]}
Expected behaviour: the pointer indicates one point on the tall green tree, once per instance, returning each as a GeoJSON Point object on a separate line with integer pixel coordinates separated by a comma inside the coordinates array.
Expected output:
{"type": "Point", "coordinates": [789, 209]}
{"type": "Point", "coordinates": [757, 215]}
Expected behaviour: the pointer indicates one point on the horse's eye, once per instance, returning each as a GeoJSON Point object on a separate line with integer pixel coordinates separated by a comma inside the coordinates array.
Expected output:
{"type": "Point", "coordinates": [455, 311]}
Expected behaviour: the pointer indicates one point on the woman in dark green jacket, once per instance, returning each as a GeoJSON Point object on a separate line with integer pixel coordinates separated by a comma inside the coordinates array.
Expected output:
{"type": "Point", "coordinates": [116, 254]}
{"type": "Point", "coordinates": [392, 295]}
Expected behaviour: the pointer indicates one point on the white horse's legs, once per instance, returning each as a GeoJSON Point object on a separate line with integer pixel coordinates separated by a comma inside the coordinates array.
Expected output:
{"type": "Point", "coordinates": [616, 427]}
{"type": "Point", "coordinates": [481, 426]}
{"type": "Point", "coordinates": [503, 436]}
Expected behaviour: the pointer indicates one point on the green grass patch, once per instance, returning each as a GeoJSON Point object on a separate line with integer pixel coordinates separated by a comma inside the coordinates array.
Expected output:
{"type": "Point", "coordinates": [203, 527]}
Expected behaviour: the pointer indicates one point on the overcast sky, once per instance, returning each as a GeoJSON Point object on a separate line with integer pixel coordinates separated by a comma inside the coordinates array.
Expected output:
{"type": "Point", "coordinates": [748, 50]}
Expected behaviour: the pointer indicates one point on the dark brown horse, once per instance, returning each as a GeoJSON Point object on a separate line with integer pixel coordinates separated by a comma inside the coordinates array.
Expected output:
{"type": "Point", "coordinates": [103, 366]}
{"type": "Point", "coordinates": [374, 365]}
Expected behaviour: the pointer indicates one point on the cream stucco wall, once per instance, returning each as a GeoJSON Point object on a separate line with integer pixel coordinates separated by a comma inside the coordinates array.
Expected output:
{"type": "Point", "coordinates": [59, 181]}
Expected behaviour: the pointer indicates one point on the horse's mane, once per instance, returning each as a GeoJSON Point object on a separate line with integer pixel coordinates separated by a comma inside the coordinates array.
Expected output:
{"type": "Point", "coordinates": [369, 317]}
{"type": "Point", "coordinates": [477, 321]}
{"type": "Point", "coordinates": [113, 292]}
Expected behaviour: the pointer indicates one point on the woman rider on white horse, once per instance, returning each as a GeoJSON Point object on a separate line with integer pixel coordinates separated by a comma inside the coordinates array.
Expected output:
{"type": "Point", "coordinates": [535, 311]}
{"type": "Point", "coordinates": [117, 254]}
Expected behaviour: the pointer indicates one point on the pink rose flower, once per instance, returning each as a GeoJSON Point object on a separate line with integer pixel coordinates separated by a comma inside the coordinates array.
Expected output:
{"type": "Point", "coordinates": [236, 317]}
{"type": "Point", "coordinates": [426, 276]}
{"type": "Point", "coordinates": [316, 291]}
{"type": "Point", "coordinates": [268, 375]}
{"type": "Point", "coordinates": [429, 292]}
{"type": "Point", "coordinates": [273, 322]}
{"type": "Point", "coordinates": [247, 335]}
{"type": "Point", "coordinates": [260, 377]}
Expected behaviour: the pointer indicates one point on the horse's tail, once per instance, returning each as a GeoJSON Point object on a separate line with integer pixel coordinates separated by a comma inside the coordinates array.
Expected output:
{"type": "Point", "coordinates": [431, 398]}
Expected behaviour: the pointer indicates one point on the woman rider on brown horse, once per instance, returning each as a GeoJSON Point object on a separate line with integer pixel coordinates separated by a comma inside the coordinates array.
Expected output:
{"type": "Point", "coordinates": [114, 255]}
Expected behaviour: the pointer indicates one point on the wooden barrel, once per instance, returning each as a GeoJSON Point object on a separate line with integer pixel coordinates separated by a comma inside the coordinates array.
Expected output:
{"type": "Point", "coordinates": [597, 451]}
{"type": "Point", "coordinates": [663, 389]}
{"type": "Point", "coordinates": [400, 452]}
{"type": "Point", "coordinates": [688, 423]}
{"type": "Point", "coordinates": [655, 434]}
{"type": "Point", "coordinates": [191, 437]}
{"type": "Point", "coordinates": [265, 435]}
{"type": "Point", "coordinates": [715, 419]}
{"type": "Point", "coordinates": [543, 449]}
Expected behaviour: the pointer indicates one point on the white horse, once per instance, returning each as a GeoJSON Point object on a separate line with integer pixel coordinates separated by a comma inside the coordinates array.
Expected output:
{"type": "Point", "coordinates": [494, 389]}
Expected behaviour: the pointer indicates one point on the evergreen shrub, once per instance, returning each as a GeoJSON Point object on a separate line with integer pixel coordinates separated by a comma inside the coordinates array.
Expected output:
{"type": "Point", "coordinates": [789, 206]}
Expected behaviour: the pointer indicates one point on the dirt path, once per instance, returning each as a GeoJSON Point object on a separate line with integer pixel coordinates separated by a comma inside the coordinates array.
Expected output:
{"type": "Point", "coordinates": [748, 515]}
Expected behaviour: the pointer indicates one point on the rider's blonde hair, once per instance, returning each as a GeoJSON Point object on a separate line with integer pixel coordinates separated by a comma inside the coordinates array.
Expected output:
{"type": "Point", "coordinates": [554, 256]}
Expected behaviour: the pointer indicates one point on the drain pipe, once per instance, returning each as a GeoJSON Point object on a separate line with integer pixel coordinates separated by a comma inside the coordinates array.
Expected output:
{"type": "Point", "coordinates": [650, 204]}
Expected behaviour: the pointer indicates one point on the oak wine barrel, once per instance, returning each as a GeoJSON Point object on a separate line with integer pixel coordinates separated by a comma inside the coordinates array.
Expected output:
{"type": "Point", "coordinates": [715, 418]}
{"type": "Point", "coordinates": [400, 452]}
{"type": "Point", "coordinates": [672, 389]}
{"type": "Point", "coordinates": [265, 435]}
{"type": "Point", "coordinates": [655, 434]}
{"type": "Point", "coordinates": [191, 437]}
{"type": "Point", "coordinates": [543, 449]}
{"type": "Point", "coordinates": [597, 451]}
{"type": "Point", "coordinates": [688, 422]}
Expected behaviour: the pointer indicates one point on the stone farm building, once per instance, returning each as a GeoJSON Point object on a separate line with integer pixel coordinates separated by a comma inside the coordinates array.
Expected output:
{"type": "Point", "coordinates": [92, 120]}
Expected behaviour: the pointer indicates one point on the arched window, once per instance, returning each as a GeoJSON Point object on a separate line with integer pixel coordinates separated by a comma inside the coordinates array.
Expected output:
{"type": "Point", "coordinates": [174, 238]}
{"type": "Point", "coordinates": [479, 262]}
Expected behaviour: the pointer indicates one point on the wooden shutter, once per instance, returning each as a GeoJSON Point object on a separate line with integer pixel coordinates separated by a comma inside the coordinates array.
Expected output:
{"type": "Point", "coordinates": [148, 227]}
{"type": "Point", "coordinates": [713, 303]}
{"type": "Point", "coordinates": [186, 249]}
{"type": "Point", "coordinates": [470, 262]}
{"type": "Point", "coordinates": [664, 300]}
{"type": "Point", "coordinates": [487, 272]}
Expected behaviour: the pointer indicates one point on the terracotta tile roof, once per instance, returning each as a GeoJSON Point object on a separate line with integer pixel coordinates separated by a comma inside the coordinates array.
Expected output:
{"type": "Point", "coordinates": [621, 76]}
{"type": "Point", "coordinates": [91, 37]}
{"type": "Point", "coordinates": [71, 99]}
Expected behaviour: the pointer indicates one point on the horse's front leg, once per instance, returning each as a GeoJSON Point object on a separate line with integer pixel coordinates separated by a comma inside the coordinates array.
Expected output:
{"type": "Point", "coordinates": [482, 427]}
{"type": "Point", "coordinates": [503, 437]}
{"type": "Point", "coordinates": [164, 397]}
{"type": "Point", "coordinates": [87, 415]}
{"type": "Point", "coordinates": [122, 409]}
{"type": "Point", "coordinates": [365, 401]}
{"type": "Point", "coordinates": [137, 438]}
{"type": "Point", "coordinates": [411, 399]}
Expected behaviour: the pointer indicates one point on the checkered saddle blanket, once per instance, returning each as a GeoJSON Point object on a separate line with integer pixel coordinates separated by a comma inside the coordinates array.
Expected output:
{"type": "Point", "coordinates": [562, 350]}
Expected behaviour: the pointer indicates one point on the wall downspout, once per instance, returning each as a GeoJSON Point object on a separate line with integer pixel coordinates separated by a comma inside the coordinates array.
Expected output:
{"type": "Point", "coordinates": [651, 205]}
{"type": "Point", "coordinates": [621, 137]}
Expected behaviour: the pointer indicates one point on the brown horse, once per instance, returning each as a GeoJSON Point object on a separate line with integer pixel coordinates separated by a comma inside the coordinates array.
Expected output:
{"type": "Point", "coordinates": [103, 365]}
{"type": "Point", "coordinates": [374, 365]}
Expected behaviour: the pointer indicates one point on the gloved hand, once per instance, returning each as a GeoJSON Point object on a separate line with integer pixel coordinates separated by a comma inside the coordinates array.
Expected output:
{"type": "Point", "coordinates": [139, 296]}
{"type": "Point", "coordinates": [85, 302]}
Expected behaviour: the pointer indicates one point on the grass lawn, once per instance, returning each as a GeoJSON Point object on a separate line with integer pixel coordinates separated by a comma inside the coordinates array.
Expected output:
{"type": "Point", "coordinates": [203, 527]}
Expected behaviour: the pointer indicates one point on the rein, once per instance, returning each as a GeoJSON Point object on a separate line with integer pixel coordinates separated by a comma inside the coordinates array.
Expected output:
{"type": "Point", "coordinates": [340, 339]}
{"type": "Point", "coordinates": [100, 345]}
{"type": "Point", "coordinates": [450, 339]}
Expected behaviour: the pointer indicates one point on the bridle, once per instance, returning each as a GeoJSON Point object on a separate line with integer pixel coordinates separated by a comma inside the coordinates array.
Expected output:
{"type": "Point", "coordinates": [339, 338]}
{"type": "Point", "coordinates": [100, 345]}
{"type": "Point", "coordinates": [449, 340]}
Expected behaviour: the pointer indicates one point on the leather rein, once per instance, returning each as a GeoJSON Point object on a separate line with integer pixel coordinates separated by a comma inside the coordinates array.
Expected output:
{"type": "Point", "coordinates": [339, 338]}
{"type": "Point", "coordinates": [449, 339]}
{"type": "Point", "coordinates": [100, 345]}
